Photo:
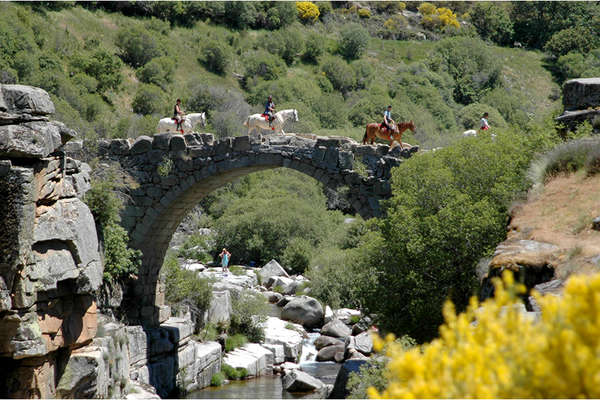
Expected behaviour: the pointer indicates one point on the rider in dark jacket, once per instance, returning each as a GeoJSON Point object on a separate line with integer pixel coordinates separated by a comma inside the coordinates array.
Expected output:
{"type": "Point", "coordinates": [270, 109]}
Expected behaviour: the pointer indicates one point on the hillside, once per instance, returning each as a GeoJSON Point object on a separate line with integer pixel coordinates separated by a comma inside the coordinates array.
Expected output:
{"type": "Point", "coordinates": [113, 75]}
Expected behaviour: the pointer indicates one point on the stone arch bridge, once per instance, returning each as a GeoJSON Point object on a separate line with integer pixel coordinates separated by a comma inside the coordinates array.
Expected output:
{"type": "Point", "coordinates": [171, 173]}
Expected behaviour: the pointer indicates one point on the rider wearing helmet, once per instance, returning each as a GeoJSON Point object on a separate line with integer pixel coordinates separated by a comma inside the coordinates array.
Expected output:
{"type": "Point", "coordinates": [387, 118]}
{"type": "Point", "coordinates": [270, 109]}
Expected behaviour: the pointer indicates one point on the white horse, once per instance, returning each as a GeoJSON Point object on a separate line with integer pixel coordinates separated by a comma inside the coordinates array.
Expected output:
{"type": "Point", "coordinates": [188, 125]}
{"type": "Point", "coordinates": [470, 132]}
{"type": "Point", "coordinates": [257, 121]}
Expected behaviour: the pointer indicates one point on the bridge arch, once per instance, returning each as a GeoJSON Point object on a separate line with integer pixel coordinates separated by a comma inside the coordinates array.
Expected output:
{"type": "Point", "coordinates": [171, 173]}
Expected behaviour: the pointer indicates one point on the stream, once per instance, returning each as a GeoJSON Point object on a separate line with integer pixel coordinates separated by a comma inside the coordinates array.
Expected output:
{"type": "Point", "coordinates": [270, 386]}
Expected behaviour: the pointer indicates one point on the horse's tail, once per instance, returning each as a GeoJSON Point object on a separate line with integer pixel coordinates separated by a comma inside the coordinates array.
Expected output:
{"type": "Point", "coordinates": [364, 140]}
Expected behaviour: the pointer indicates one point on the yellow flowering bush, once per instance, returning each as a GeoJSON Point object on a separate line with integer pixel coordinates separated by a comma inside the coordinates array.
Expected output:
{"type": "Point", "coordinates": [506, 354]}
{"type": "Point", "coordinates": [307, 11]}
{"type": "Point", "coordinates": [438, 18]}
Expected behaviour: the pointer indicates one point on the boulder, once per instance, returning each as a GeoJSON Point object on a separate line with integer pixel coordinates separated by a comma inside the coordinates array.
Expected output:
{"type": "Point", "coordinates": [304, 310]}
{"type": "Point", "coordinates": [84, 376]}
{"type": "Point", "coordinates": [273, 297]}
{"type": "Point", "coordinates": [299, 381]}
{"type": "Point", "coordinates": [277, 333]}
{"type": "Point", "coordinates": [272, 268]}
{"type": "Point", "coordinates": [328, 315]}
{"type": "Point", "coordinates": [336, 328]}
{"type": "Point", "coordinates": [278, 352]}
{"type": "Point", "coordinates": [252, 357]}
{"type": "Point", "coordinates": [284, 300]}
{"type": "Point", "coordinates": [364, 343]}
{"type": "Point", "coordinates": [30, 139]}
{"type": "Point", "coordinates": [286, 286]}
{"type": "Point", "coordinates": [22, 103]}
{"type": "Point", "coordinates": [339, 388]}
{"type": "Point", "coordinates": [346, 315]}
{"type": "Point", "coordinates": [579, 94]}
{"type": "Point", "coordinates": [220, 308]}
{"type": "Point", "coordinates": [362, 326]}
{"type": "Point", "coordinates": [328, 353]}
{"type": "Point", "coordinates": [324, 341]}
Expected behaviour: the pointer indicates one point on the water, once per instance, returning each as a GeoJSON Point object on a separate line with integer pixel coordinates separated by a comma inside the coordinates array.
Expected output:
{"type": "Point", "coordinates": [309, 352]}
{"type": "Point", "coordinates": [263, 387]}
{"type": "Point", "coordinates": [270, 386]}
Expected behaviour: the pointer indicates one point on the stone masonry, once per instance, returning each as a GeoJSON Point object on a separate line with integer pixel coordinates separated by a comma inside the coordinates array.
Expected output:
{"type": "Point", "coordinates": [171, 173]}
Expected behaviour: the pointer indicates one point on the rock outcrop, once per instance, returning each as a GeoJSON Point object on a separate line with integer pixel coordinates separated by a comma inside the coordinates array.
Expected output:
{"type": "Point", "coordinates": [304, 310]}
{"type": "Point", "coordinates": [581, 101]}
{"type": "Point", "coordinates": [50, 265]}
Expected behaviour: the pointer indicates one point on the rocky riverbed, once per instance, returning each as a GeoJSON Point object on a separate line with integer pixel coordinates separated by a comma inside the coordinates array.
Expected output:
{"type": "Point", "coordinates": [306, 345]}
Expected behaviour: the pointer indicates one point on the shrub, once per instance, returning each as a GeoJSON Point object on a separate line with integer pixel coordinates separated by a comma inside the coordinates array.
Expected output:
{"type": "Point", "coordinates": [149, 99]}
{"type": "Point", "coordinates": [248, 310]}
{"type": "Point", "coordinates": [567, 157]}
{"type": "Point", "coordinates": [427, 8]}
{"type": "Point", "coordinates": [395, 27]}
{"type": "Point", "coordinates": [234, 373]}
{"type": "Point", "coordinates": [364, 13]}
{"type": "Point", "coordinates": [159, 71]}
{"type": "Point", "coordinates": [296, 255]}
{"type": "Point", "coordinates": [331, 110]}
{"type": "Point", "coordinates": [492, 22]}
{"type": "Point", "coordinates": [196, 247]}
{"type": "Point", "coordinates": [240, 14]}
{"type": "Point", "coordinates": [354, 41]}
{"type": "Point", "coordinates": [288, 44]}
{"type": "Point", "coordinates": [313, 48]}
{"type": "Point", "coordinates": [215, 57]}
{"type": "Point", "coordinates": [307, 11]}
{"type": "Point", "coordinates": [138, 46]}
{"type": "Point", "coordinates": [25, 63]}
{"type": "Point", "coordinates": [435, 370]}
{"type": "Point", "coordinates": [580, 38]}
{"type": "Point", "coordinates": [120, 261]}
{"type": "Point", "coordinates": [235, 341]}
{"type": "Point", "coordinates": [263, 64]}
{"type": "Point", "coordinates": [217, 379]}
{"type": "Point", "coordinates": [339, 73]}
{"type": "Point", "coordinates": [183, 285]}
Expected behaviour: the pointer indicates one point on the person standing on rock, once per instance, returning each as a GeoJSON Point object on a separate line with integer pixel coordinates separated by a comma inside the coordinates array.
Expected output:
{"type": "Point", "coordinates": [225, 256]}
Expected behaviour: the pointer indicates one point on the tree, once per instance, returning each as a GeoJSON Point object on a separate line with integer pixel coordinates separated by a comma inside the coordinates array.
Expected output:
{"type": "Point", "coordinates": [492, 21]}
{"type": "Point", "coordinates": [138, 46]}
{"type": "Point", "coordinates": [353, 42]}
{"type": "Point", "coordinates": [149, 99]}
{"type": "Point", "coordinates": [580, 39]}
{"type": "Point", "coordinates": [215, 56]}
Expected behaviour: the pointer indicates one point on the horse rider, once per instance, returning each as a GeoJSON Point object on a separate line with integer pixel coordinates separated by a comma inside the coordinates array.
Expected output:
{"type": "Point", "coordinates": [387, 119]}
{"type": "Point", "coordinates": [178, 115]}
{"type": "Point", "coordinates": [483, 123]}
{"type": "Point", "coordinates": [270, 110]}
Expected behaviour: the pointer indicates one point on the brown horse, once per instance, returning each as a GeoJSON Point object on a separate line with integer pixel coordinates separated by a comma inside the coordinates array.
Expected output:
{"type": "Point", "coordinates": [373, 131]}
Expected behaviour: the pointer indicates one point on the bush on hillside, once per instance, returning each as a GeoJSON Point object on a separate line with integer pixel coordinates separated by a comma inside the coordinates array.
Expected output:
{"type": "Point", "coordinates": [138, 45]}
{"type": "Point", "coordinates": [263, 64]}
{"type": "Point", "coordinates": [469, 116]}
{"type": "Point", "coordinates": [492, 21]}
{"type": "Point", "coordinates": [442, 19]}
{"type": "Point", "coordinates": [149, 99]}
{"type": "Point", "coordinates": [331, 110]}
{"type": "Point", "coordinates": [288, 44]}
{"type": "Point", "coordinates": [102, 66]}
{"type": "Point", "coordinates": [158, 71]}
{"type": "Point", "coordinates": [286, 90]}
{"type": "Point", "coordinates": [296, 255]}
{"type": "Point", "coordinates": [470, 63]}
{"type": "Point", "coordinates": [353, 42]}
{"type": "Point", "coordinates": [308, 12]}
{"type": "Point", "coordinates": [313, 48]}
{"type": "Point", "coordinates": [580, 39]}
{"type": "Point", "coordinates": [215, 57]}
{"type": "Point", "coordinates": [339, 73]}
{"type": "Point", "coordinates": [562, 343]}
{"type": "Point", "coordinates": [249, 309]}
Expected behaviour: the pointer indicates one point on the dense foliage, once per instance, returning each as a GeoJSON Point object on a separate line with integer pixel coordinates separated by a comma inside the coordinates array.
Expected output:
{"type": "Point", "coordinates": [185, 286]}
{"type": "Point", "coordinates": [506, 354]}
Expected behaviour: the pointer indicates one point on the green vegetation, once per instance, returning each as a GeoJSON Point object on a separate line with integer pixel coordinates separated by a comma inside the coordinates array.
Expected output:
{"type": "Point", "coordinates": [217, 379]}
{"type": "Point", "coordinates": [249, 309]}
{"type": "Point", "coordinates": [234, 373]}
{"type": "Point", "coordinates": [120, 261]}
{"type": "Point", "coordinates": [196, 247]}
{"type": "Point", "coordinates": [235, 341]}
{"type": "Point", "coordinates": [182, 285]}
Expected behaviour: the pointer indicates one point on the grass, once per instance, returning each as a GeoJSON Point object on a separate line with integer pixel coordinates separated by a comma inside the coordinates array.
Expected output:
{"type": "Point", "coordinates": [234, 373]}
{"type": "Point", "coordinates": [235, 341]}
{"type": "Point", "coordinates": [217, 379]}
